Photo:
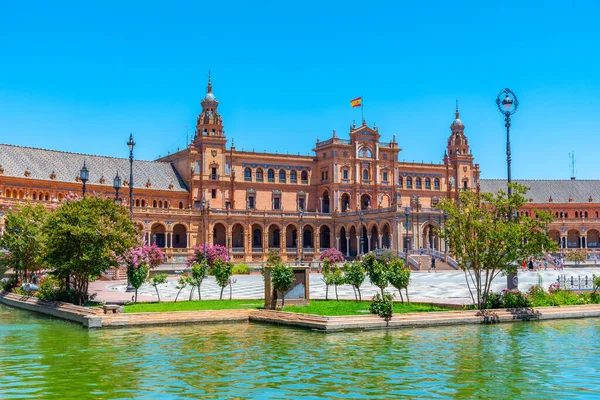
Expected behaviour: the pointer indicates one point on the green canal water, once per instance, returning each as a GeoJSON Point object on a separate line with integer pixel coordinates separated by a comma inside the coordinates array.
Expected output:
{"type": "Point", "coordinates": [48, 358]}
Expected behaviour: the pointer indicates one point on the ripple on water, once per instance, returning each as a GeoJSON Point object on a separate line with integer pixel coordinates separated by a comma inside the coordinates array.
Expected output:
{"type": "Point", "coordinates": [45, 358]}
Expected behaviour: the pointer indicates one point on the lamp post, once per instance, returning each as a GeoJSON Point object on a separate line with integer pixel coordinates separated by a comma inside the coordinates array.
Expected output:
{"type": "Point", "coordinates": [131, 145]}
{"type": "Point", "coordinates": [445, 241]}
{"type": "Point", "coordinates": [406, 214]}
{"type": "Point", "coordinates": [301, 239]}
{"type": "Point", "coordinates": [203, 204]}
{"type": "Point", "coordinates": [399, 235]}
{"type": "Point", "coordinates": [84, 175]}
{"type": "Point", "coordinates": [361, 215]}
{"type": "Point", "coordinates": [508, 106]}
{"type": "Point", "coordinates": [117, 186]}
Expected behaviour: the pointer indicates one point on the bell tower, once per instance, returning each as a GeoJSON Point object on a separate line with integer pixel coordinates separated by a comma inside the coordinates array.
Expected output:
{"type": "Point", "coordinates": [209, 122]}
{"type": "Point", "coordinates": [463, 174]}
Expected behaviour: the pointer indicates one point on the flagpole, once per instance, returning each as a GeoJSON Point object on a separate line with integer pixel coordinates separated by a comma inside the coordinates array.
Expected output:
{"type": "Point", "coordinates": [362, 110]}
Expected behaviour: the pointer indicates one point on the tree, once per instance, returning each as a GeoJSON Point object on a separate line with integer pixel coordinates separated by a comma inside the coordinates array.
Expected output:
{"type": "Point", "coordinates": [485, 242]}
{"type": "Point", "coordinates": [199, 272]}
{"type": "Point", "coordinates": [182, 283]}
{"type": "Point", "coordinates": [82, 238]}
{"type": "Point", "coordinates": [354, 274]}
{"type": "Point", "coordinates": [399, 276]}
{"type": "Point", "coordinates": [222, 271]}
{"type": "Point", "coordinates": [156, 280]}
{"type": "Point", "coordinates": [336, 278]}
{"type": "Point", "coordinates": [282, 277]}
{"type": "Point", "coordinates": [139, 260]}
{"type": "Point", "coordinates": [383, 305]}
{"type": "Point", "coordinates": [577, 257]}
{"type": "Point", "coordinates": [212, 254]}
{"type": "Point", "coordinates": [333, 254]}
{"type": "Point", "coordinates": [22, 239]}
{"type": "Point", "coordinates": [377, 271]}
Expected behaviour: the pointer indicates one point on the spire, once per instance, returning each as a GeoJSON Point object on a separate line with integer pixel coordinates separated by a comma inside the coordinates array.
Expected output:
{"type": "Point", "coordinates": [209, 87]}
{"type": "Point", "coordinates": [456, 114]}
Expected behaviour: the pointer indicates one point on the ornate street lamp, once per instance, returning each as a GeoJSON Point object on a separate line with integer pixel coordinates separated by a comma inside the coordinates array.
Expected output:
{"type": "Point", "coordinates": [203, 204]}
{"type": "Point", "coordinates": [508, 106]}
{"type": "Point", "coordinates": [117, 186]}
{"type": "Point", "coordinates": [301, 237]}
{"type": "Point", "coordinates": [399, 235]}
{"type": "Point", "coordinates": [131, 145]}
{"type": "Point", "coordinates": [84, 175]}
{"type": "Point", "coordinates": [445, 241]}
{"type": "Point", "coordinates": [406, 214]}
{"type": "Point", "coordinates": [361, 215]}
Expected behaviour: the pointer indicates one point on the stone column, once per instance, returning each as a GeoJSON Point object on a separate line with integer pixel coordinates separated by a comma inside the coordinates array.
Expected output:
{"type": "Point", "coordinates": [368, 243]}
{"type": "Point", "coordinates": [317, 241]}
{"type": "Point", "coordinates": [282, 241]}
{"type": "Point", "coordinates": [337, 242]}
{"type": "Point", "coordinates": [265, 242]}
{"type": "Point", "coordinates": [347, 246]}
{"type": "Point", "coordinates": [358, 248]}
{"type": "Point", "coordinates": [380, 242]}
{"type": "Point", "coordinates": [187, 238]}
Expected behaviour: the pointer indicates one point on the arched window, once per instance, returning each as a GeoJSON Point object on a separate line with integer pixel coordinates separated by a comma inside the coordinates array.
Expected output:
{"type": "Point", "coordinates": [34, 195]}
{"type": "Point", "coordinates": [259, 175]}
{"type": "Point", "coordinates": [427, 183]}
{"type": "Point", "coordinates": [160, 205]}
{"type": "Point", "coordinates": [293, 176]}
{"type": "Point", "coordinates": [46, 197]}
{"type": "Point", "coordinates": [281, 176]}
{"type": "Point", "coordinates": [143, 203]}
{"type": "Point", "coordinates": [271, 175]}
{"type": "Point", "coordinates": [181, 205]}
{"type": "Point", "coordinates": [576, 214]}
{"type": "Point", "coordinates": [436, 184]}
{"type": "Point", "coordinates": [365, 174]}
{"type": "Point", "coordinates": [400, 181]}
{"type": "Point", "coordinates": [154, 204]}
{"type": "Point", "coordinates": [365, 152]}
{"type": "Point", "coordinates": [418, 183]}
{"type": "Point", "coordinates": [586, 214]}
{"type": "Point", "coordinates": [408, 182]}
{"type": "Point", "coordinates": [304, 176]}
{"type": "Point", "coordinates": [248, 174]}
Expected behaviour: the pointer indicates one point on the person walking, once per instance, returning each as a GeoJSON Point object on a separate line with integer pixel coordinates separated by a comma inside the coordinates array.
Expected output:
{"type": "Point", "coordinates": [433, 263]}
{"type": "Point", "coordinates": [545, 265]}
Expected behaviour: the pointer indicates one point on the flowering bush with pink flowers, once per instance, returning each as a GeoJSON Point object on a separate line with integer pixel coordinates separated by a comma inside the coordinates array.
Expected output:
{"type": "Point", "coordinates": [213, 252]}
{"type": "Point", "coordinates": [139, 260]}
{"type": "Point", "coordinates": [333, 254]}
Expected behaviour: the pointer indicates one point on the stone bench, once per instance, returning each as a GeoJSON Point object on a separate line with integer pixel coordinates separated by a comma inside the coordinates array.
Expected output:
{"type": "Point", "coordinates": [112, 307]}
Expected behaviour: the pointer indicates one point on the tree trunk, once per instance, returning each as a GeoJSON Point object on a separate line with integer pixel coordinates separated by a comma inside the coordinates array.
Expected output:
{"type": "Point", "coordinates": [192, 292]}
{"type": "Point", "coordinates": [359, 296]}
{"type": "Point", "coordinates": [221, 296]}
{"type": "Point", "coordinates": [401, 298]}
{"type": "Point", "coordinates": [326, 292]}
{"type": "Point", "coordinates": [407, 299]}
{"type": "Point", "coordinates": [156, 288]}
{"type": "Point", "coordinates": [336, 294]}
{"type": "Point", "coordinates": [199, 294]}
{"type": "Point", "coordinates": [135, 301]}
{"type": "Point", "coordinates": [354, 290]}
{"type": "Point", "coordinates": [282, 300]}
{"type": "Point", "coordinates": [180, 289]}
{"type": "Point", "coordinates": [230, 291]}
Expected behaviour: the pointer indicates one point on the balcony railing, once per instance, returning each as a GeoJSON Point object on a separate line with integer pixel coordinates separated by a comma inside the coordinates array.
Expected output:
{"type": "Point", "coordinates": [214, 177]}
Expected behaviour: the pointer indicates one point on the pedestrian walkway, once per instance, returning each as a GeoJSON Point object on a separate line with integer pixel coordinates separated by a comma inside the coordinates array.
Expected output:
{"type": "Point", "coordinates": [442, 286]}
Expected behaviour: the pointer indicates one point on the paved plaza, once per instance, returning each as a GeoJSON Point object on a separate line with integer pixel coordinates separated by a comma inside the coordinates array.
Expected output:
{"type": "Point", "coordinates": [443, 287]}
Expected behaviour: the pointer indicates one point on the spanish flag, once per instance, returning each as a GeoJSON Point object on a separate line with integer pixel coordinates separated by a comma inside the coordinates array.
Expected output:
{"type": "Point", "coordinates": [357, 102]}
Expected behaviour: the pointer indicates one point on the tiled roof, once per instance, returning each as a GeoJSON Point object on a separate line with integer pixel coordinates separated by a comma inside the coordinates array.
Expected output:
{"type": "Point", "coordinates": [579, 191]}
{"type": "Point", "coordinates": [41, 164]}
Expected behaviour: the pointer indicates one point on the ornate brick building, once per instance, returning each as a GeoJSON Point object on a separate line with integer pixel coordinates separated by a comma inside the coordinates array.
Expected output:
{"type": "Point", "coordinates": [352, 194]}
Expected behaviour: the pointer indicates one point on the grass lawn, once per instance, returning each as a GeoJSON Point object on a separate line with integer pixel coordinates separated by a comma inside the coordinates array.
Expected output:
{"type": "Point", "coordinates": [194, 305]}
{"type": "Point", "coordinates": [333, 308]}
{"type": "Point", "coordinates": [319, 307]}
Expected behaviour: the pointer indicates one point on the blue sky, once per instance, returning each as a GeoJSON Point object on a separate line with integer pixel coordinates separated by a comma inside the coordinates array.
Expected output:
{"type": "Point", "coordinates": [79, 76]}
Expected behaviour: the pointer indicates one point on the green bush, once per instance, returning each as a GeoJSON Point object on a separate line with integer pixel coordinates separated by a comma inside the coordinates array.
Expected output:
{"type": "Point", "coordinates": [241, 269]}
{"type": "Point", "coordinates": [8, 284]}
{"type": "Point", "coordinates": [514, 299]}
{"type": "Point", "coordinates": [494, 300]}
{"type": "Point", "coordinates": [383, 305]}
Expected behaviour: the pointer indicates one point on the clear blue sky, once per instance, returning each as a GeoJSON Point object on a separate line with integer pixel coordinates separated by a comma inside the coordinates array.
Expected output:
{"type": "Point", "coordinates": [79, 76]}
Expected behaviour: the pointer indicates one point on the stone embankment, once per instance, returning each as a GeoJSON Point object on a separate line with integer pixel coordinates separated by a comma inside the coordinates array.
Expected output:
{"type": "Point", "coordinates": [94, 318]}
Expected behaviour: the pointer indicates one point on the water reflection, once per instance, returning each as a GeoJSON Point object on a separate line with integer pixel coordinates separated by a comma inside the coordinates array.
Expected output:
{"type": "Point", "coordinates": [47, 358]}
